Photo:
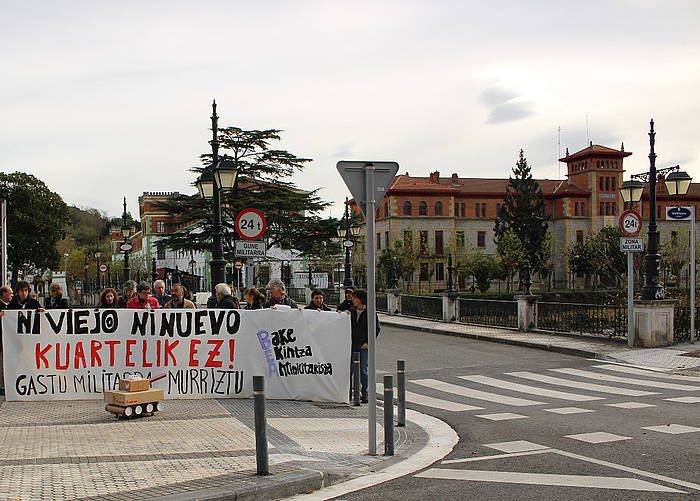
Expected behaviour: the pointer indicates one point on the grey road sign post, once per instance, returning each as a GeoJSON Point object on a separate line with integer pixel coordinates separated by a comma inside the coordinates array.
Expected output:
{"type": "Point", "coordinates": [368, 182]}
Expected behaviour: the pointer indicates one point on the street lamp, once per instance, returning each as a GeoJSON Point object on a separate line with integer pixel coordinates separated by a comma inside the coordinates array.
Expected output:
{"type": "Point", "coordinates": [347, 233]}
{"type": "Point", "coordinates": [631, 191]}
{"type": "Point", "coordinates": [126, 246]}
{"type": "Point", "coordinates": [218, 176]}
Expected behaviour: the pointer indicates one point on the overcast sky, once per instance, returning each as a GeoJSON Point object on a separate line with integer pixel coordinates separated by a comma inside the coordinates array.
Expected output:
{"type": "Point", "coordinates": [104, 99]}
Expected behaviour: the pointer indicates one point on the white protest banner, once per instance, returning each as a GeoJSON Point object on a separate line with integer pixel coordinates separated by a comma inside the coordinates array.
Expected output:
{"type": "Point", "coordinates": [75, 354]}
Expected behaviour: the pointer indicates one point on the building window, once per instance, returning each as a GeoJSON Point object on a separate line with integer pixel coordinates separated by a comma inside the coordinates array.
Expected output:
{"type": "Point", "coordinates": [438, 242]}
{"type": "Point", "coordinates": [460, 240]}
{"type": "Point", "coordinates": [612, 183]}
{"type": "Point", "coordinates": [379, 241]}
{"type": "Point", "coordinates": [424, 275]}
{"type": "Point", "coordinates": [602, 209]}
{"type": "Point", "coordinates": [483, 210]}
{"type": "Point", "coordinates": [480, 210]}
{"type": "Point", "coordinates": [481, 239]}
{"type": "Point", "coordinates": [607, 183]}
{"type": "Point", "coordinates": [423, 242]}
{"type": "Point", "coordinates": [160, 226]}
{"type": "Point", "coordinates": [499, 208]}
{"type": "Point", "coordinates": [477, 209]}
{"type": "Point", "coordinates": [386, 240]}
{"type": "Point", "coordinates": [674, 237]}
{"type": "Point", "coordinates": [423, 209]}
{"type": "Point", "coordinates": [438, 208]}
{"type": "Point", "coordinates": [160, 251]}
{"type": "Point", "coordinates": [613, 209]}
{"type": "Point", "coordinates": [407, 208]}
{"type": "Point", "coordinates": [579, 236]}
{"type": "Point", "coordinates": [463, 209]}
{"type": "Point", "coordinates": [658, 211]}
{"type": "Point", "coordinates": [601, 183]}
{"type": "Point", "coordinates": [440, 271]}
{"type": "Point", "coordinates": [407, 239]}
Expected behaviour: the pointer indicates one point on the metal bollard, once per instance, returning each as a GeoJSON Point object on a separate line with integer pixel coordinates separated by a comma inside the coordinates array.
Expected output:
{"type": "Point", "coordinates": [356, 378]}
{"type": "Point", "coordinates": [261, 458]}
{"type": "Point", "coordinates": [389, 415]}
{"type": "Point", "coordinates": [401, 392]}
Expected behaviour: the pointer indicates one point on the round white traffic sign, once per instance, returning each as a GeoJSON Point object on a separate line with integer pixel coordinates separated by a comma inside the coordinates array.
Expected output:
{"type": "Point", "coordinates": [630, 223]}
{"type": "Point", "coordinates": [251, 224]}
{"type": "Point", "coordinates": [238, 265]}
{"type": "Point", "coordinates": [103, 268]}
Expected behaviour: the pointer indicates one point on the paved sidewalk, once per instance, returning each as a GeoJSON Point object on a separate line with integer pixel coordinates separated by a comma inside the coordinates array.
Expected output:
{"type": "Point", "coordinates": [672, 358]}
{"type": "Point", "coordinates": [194, 448]}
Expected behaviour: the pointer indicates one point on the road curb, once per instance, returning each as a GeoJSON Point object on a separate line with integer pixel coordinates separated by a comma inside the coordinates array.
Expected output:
{"type": "Point", "coordinates": [515, 342]}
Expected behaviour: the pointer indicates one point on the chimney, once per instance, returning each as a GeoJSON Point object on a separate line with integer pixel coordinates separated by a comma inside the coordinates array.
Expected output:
{"type": "Point", "coordinates": [435, 177]}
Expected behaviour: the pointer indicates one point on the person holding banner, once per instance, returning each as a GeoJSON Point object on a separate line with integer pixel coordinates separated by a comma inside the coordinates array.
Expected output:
{"type": "Point", "coordinates": [22, 300]}
{"type": "Point", "coordinates": [5, 299]}
{"type": "Point", "coordinates": [225, 298]}
{"type": "Point", "coordinates": [359, 332]}
{"type": "Point", "coordinates": [109, 299]}
{"type": "Point", "coordinates": [56, 301]}
{"type": "Point", "coordinates": [143, 298]}
{"type": "Point", "coordinates": [128, 288]}
{"type": "Point", "coordinates": [317, 301]}
{"type": "Point", "coordinates": [278, 295]}
{"type": "Point", "coordinates": [178, 300]}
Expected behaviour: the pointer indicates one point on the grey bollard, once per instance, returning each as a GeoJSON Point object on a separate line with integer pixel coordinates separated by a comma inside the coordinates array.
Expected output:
{"type": "Point", "coordinates": [356, 378]}
{"type": "Point", "coordinates": [261, 458]}
{"type": "Point", "coordinates": [388, 415]}
{"type": "Point", "coordinates": [401, 392]}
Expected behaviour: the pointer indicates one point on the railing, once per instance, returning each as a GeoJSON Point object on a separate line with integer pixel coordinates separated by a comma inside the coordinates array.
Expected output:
{"type": "Point", "coordinates": [421, 306]}
{"type": "Point", "coordinates": [298, 294]}
{"type": "Point", "coordinates": [607, 320]}
{"type": "Point", "coordinates": [331, 296]}
{"type": "Point", "coordinates": [382, 302]}
{"type": "Point", "coordinates": [488, 312]}
{"type": "Point", "coordinates": [681, 324]}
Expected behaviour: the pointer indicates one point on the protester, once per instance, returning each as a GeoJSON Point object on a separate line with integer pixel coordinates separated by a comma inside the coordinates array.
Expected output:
{"type": "Point", "coordinates": [278, 295]}
{"type": "Point", "coordinates": [359, 332]}
{"type": "Point", "coordinates": [56, 301]}
{"type": "Point", "coordinates": [22, 300]}
{"type": "Point", "coordinates": [178, 298]}
{"type": "Point", "coordinates": [159, 292]}
{"type": "Point", "coordinates": [224, 298]}
{"type": "Point", "coordinates": [143, 298]}
{"type": "Point", "coordinates": [254, 299]}
{"type": "Point", "coordinates": [128, 288]}
{"type": "Point", "coordinates": [109, 299]}
{"type": "Point", "coordinates": [317, 301]}
{"type": "Point", "coordinates": [347, 304]}
{"type": "Point", "coordinates": [5, 299]}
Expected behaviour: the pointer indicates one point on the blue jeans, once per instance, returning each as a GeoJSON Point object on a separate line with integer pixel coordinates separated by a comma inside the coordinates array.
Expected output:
{"type": "Point", "coordinates": [364, 361]}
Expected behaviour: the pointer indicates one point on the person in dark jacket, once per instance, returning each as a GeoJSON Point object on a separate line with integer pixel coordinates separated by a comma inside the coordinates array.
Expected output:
{"type": "Point", "coordinates": [254, 299]}
{"type": "Point", "coordinates": [129, 289]}
{"type": "Point", "coordinates": [317, 301]}
{"type": "Point", "coordinates": [359, 331]}
{"type": "Point", "coordinates": [346, 305]}
{"type": "Point", "coordinates": [56, 301]}
{"type": "Point", "coordinates": [22, 299]}
{"type": "Point", "coordinates": [224, 299]}
{"type": "Point", "coordinates": [278, 295]}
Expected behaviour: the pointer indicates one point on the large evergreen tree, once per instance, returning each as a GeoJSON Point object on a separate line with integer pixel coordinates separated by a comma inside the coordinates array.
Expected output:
{"type": "Point", "coordinates": [523, 213]}
{"type": "Point", "coordinates": [263, 182]}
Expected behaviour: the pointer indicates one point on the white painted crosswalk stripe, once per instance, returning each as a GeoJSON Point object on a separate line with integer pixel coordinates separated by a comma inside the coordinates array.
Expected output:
{"type": "Point", "coordinates": [530, 390]}
{"type": "Point", "coordinates": [435, 403]}
{"type": "Point", "coordinates": [625, 380]}
{"type": "Point", "coordinates": [642, 372]}
{"type": "Point", "coordinates": [672, 429]}
{"type": "Point", "coordinates": [568, 410]}
{"type": "Point", "coordinates": [476, 394]}
{"type": "Point", "coordinates": [503, 416]}
{"type": "Point", "coordinates": [580, 385]}
{"type": "Point", "coordinates": [598, 437]}
{"type": "Point", "coordinates": [630, 405]}
{"type": "Point", "coordinates": [684, 400]}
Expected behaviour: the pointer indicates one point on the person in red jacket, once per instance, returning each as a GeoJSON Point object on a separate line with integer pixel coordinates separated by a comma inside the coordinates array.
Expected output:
{"type": "Point", "coordinates": [143, 298]}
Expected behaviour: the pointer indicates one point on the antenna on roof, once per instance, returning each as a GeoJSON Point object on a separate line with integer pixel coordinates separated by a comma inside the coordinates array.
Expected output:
{"type": "Point", "coordinates": [559, 146]}
{"type": "Point", "coordinates": [588, 139]}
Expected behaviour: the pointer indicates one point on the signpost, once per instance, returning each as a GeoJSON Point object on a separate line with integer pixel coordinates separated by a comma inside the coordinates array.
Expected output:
{"type": "Point", "coordinates": [251, 224]}
{"type": "Point", "coordinates": [368, 182]}
{"type": "Point", "coordinates": [245, 248]}
{"type": "Point", "coordinates": [685, 214]}
{"type": "Point", "coordinates": [630, 226]}
{"type": "Point", "coordinates": [104, 268]}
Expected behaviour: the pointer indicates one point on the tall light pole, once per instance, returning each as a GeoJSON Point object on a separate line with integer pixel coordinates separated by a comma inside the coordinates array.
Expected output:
{"type": "Point", "coordinates": [219, 175]}
{"type": "Point", "coordinates": [347, 233]}
{"type": "Point", "coordinates": [126, 246]}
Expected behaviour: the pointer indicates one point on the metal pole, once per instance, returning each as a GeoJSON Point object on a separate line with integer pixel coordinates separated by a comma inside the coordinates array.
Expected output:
{"type": "Point", "coordinates": [356, 378]}
{"type": "Point", "coordinates": [652, 289]}
{"type": "Point", "coordinates": [218, 264]}
{"type": "Point", "coordinates": [401, 392]}
{"type": "Point", "coordinates": [371, 307]}
{"type": "Point", "coordinates": [347, 279]}
{"type": "Point", "coordinates": [261, 458]}
{"type": "Point", "coordinates": [388, 415]}
{"type": "Point", "coordinates": [630, 299]}
{"type": "Point", "coordinates": [692, 274]}
{"type": "Point", "coordinates": [4, 242]}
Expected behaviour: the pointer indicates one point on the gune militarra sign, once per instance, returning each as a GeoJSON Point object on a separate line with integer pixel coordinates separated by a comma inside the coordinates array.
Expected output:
{"type": "Point", "coordinates": [76, 354]}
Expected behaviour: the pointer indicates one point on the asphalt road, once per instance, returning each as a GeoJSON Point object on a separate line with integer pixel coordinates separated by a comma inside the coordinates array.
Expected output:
{"type": "Point", "coordinates": [592, 435]}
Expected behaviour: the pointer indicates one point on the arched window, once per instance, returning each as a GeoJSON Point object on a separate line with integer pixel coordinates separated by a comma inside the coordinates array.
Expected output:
{"type": "Point", "coordinates": [407, 209]}
{"type": "Point", "coordinates": [423, 209]}
{"type": "Point", "coordinates": [438, 208]}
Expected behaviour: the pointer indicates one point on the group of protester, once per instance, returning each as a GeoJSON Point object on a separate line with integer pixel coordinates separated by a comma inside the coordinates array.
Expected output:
{"type": "Point", "coordinates": [139, 296]}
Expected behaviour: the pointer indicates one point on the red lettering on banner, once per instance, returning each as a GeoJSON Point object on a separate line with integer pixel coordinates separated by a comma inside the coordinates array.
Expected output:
{"type": "Point", "coordinates": [144, 346]}
{"type": "Point", "coordinates": [95, 359]}
{"type": "Point", "coordinates": [169, 347]}
{"type": "Point", "coordinates": [59, 365]}
{"type": "Point", "coordinates": [111, 344]}
{"type": "Point", "coordinates": [193, 351]}
{"type": "Point", "coordinates": [40, 355]}
{"type": "Point", "coordinates": [231, 351]}
{"type": "Point", "coordinates": [214, 352]}
{"type": "Point", "coordinates": [129, 344]}
{"type": "Point", "coordinates": [79, 356]}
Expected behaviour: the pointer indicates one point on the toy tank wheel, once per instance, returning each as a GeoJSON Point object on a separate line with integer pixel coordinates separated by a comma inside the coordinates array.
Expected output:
{"type": "Point", "coordinates": [138, 410]}
{"type": "Point", "coordinates": [160, 406]}
{"type": "Point", "coordinates": [128, 411]}
{"type": "Point", "coordinates": [149, 408]}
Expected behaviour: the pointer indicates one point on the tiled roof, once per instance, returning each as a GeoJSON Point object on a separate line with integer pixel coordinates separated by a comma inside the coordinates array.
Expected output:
{"type": "Point", "coordinates": [447, 185]}
{"type": "Point", "coordinates": [596, 149]}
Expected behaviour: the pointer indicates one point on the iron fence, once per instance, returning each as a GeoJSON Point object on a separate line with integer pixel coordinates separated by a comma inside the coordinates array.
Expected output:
{"type": "Point", "coordinates": [298, 294]}
{"type": "Point", "coordinates": [488, 312]}
{"type": "Point", "coordinates": [382, 302]}
{"type": "Point", "coordinates": [331, 296]}
{"type": "Point", "coordinates": [422, 306]}
{"type": "Point", "coordinates": [599, 319]}
{"type": "Point", "coordinates": [681, 324]}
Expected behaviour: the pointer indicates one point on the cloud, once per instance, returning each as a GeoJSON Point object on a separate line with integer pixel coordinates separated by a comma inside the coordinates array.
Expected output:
{"type": "Point", "coordinates": [509, 112]}
{"type": "Point", "coordinates": [497, 95]}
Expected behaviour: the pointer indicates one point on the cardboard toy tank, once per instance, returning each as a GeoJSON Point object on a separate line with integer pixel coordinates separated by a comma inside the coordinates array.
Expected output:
{"type": "Point", "coordinates": [135, 398]}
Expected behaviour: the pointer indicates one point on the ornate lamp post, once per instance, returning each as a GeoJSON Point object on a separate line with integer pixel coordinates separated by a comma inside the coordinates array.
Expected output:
{"type": "Point", "coordinates": [347, 233]}
{"type": "Point", "coordinates": [631, 192]}
{"type": "Point", "coordinates": [218, 176]}
{"type": "Point", "coordinates": [126, 246]}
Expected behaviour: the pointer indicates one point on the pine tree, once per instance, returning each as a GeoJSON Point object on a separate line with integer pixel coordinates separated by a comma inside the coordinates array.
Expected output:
{"type": "Point", "coordinates": [523, 212]}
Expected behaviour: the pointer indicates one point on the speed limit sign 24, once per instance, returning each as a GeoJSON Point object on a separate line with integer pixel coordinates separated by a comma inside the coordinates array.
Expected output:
{"type": "Point", "coordinates": [630, 223]}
